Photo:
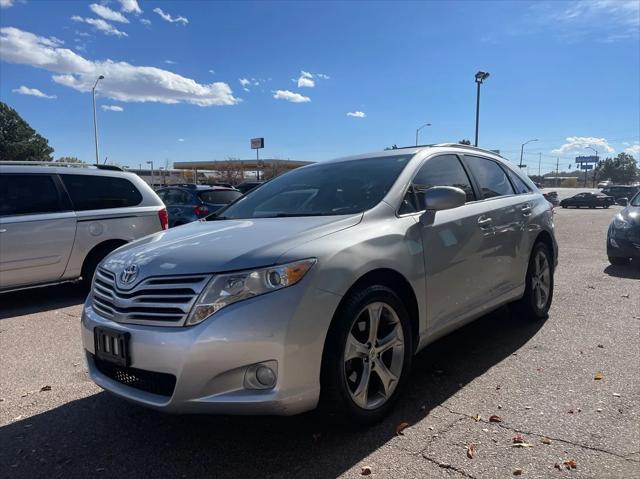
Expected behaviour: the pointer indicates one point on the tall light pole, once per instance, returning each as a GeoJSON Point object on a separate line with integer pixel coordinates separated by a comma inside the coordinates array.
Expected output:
{"type": "Point", "coordinates": [418, 130]}
{"type": "Point", "coordinates": [150, 162]}
{"type": "Point", "coordinates": [522, 150]}
{"type": "Point", "coordinates": [95, 121]}
{"type": "Point", "coordinates": [480, 77]}
{"type": "Point", "coordinates": [594, 167]}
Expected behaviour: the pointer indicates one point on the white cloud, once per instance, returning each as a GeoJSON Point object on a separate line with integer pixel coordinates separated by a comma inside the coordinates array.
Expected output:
{"type": "Point", "coordinates": [357, 114]}
{"type": "Point", "coordinates": [577, 143]}
{"type": "Point", "coordinates": [23, 90]}
{"type": "Point", "coordinates": [145, 21]}
{"type": "Point", "coordinates": [112, 108]}
{"type": "Point", "coordinates": [245, 82]}
{"type": "Point", "coordinates": [170, 62]}
{"type": "Point", "coordinates": [130, 6]}
{"type": "Point", "coordinates": [180, 140]}
{"type": "Point", "coordinates": [169, 18]}
{"type": "Point", "coordinates": [633, 150]}
{"type": "Point", "coordinates": [123, 81]}
{"type": "Point", "coordinates": [290, 96]}
{"type": "Point", "coordinates": [323, 76]}
{"type": "Point", "coordinates": [306, 82]}
{"type": "Point", "coordinates": [6, 3]}
{"type": "Point", "coordinates": [101, 25]}
{"type": "Point", "coordinates": [213, 72]}
{"type": "Point", "coordinates": [107, 13]}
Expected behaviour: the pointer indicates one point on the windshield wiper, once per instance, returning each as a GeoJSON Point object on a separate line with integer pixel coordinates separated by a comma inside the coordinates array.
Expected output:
{"type": "Point", "coordinates": [214, 217]}
{"type": "Point", "coordinates": [292, 215]}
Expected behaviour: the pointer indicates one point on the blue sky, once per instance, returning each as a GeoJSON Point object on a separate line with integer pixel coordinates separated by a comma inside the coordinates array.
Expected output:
{"type": "Point", "coordinates": [567, 73]}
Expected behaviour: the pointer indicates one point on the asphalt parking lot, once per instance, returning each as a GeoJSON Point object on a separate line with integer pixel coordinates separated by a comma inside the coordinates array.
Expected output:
{"type": "Point", "coordinates": [540, 379]}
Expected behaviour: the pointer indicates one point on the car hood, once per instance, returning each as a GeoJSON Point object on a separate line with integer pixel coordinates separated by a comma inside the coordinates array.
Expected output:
{"type": "Point", "coordinates": [631, 214]}
{"type": "Point", "coordinates": [225, 245]}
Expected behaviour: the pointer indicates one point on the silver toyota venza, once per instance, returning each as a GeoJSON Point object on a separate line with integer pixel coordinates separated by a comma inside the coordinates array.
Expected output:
{"type": "Point", "coordinates": [317, 288]}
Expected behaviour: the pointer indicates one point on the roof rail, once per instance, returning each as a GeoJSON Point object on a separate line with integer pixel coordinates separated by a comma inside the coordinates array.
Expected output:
{"type": "Point", "coordinates": [56, 164]}
{"type": "Point", "coordinates": [470, 147]}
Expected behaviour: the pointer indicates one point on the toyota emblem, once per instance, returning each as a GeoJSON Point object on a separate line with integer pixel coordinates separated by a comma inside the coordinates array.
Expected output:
{"type": "Point", "coordinates": [129, 274]}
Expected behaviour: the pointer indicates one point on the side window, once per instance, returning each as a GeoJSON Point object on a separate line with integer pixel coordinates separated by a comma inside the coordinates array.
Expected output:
{"type": "Point", "coordinates": [28, 194]}
{"type": "Point", "coordinates": [490, 176]}
{"type": "Point", "coordinates": [518, 183]}
{"type": "Point", "coordinates": [176, 197]}
{"type": "Point", "coordinates": [162, 194]}
{"type": "Point", "coordinates": [100, 192]}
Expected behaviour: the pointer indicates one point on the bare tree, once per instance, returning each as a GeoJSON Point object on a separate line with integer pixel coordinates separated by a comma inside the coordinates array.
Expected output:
{"type": "Point", "coordinates": [230, 170]}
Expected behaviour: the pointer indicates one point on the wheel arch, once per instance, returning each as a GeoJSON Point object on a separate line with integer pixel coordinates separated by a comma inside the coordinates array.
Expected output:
{"type": "Point", "coordinates": [101, 250]}
{"type": "Point", "coordinates": [545, 238]}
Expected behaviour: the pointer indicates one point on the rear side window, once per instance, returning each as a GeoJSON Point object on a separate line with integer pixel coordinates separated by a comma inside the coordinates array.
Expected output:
{"type": "Point", "coordinates": [219, 197]}
{"type": "Point", "coordinates": [100, 192]}
{"type": "Point", "coordinates": [518, 183]}
{"type": "Point", "coordinates": [444, 170]}
{"type": "Point", "coordinates": [176, 197]}
{"type": "Point", "coordinates": [491, 177]}
{"type": "Point", "coordinates": [28, 194]}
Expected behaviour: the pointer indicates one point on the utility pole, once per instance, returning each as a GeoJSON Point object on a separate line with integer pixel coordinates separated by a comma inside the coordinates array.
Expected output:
{"type": "Point", "coordinates": [557, 171]}
{"type": "Point", "coordinates": [480, 77]}
{"type": "Point", "coordinates": [418, 131]}
{"type": "Point", "coordinates": [522, 150]}
{"type": "Point", "coordinates": [95, 120]}
{"type": "Point", "coordinates": [539, 162]}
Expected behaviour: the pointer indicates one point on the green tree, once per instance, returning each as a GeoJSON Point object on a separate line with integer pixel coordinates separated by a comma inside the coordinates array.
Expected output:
{"type": "Point", "coordinates": [69, 159]}
{"type": "Point", "coordinates": [621, 169]}
{"type": "Point", "coordinates": [465, 142]}
{"type": "Point", "coordinates": [18, 141]}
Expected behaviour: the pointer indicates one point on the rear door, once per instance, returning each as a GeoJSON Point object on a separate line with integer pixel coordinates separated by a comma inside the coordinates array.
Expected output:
{"type": "Point", "coordinates": [179, 206]}
{"type": "Point", "coordinates": [37, 229]}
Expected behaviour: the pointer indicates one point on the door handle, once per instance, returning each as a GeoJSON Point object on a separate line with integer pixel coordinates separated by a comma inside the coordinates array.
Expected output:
{"type": "Point", "coordinates": [3, 230]}
{"type": "Point", "coordinates": [484, 222]}
{"type": "Point", "coordinates": [526, 209]}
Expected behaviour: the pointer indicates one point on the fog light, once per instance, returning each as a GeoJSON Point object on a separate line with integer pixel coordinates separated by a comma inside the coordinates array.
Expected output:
{"type": "Point", "coordinates": [266, 376]}
{"type": "Point", "coordinates": [262, 375]}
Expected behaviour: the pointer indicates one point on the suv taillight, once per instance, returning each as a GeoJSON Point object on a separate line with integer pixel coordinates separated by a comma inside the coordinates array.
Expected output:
{"type": "Point", "coordinates": [200, 210]}
{"type": "Point", "coordinates": [163, 216]}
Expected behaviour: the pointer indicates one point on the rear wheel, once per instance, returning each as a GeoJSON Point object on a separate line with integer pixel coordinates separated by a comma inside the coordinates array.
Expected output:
{"type": "Point", "coordinates": [367, 356]}
{"type": "Point", "coordinates": [538, 293]}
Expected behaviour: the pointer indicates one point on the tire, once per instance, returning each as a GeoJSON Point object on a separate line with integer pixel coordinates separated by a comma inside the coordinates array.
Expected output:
{"type": "Point", "coordinates": [92, 261]}
{"type": "Point", "coordinates": [606, 206]}
{"type": "Point", "coordinates": [342, 396]}
{"type": "Point", "coordinates": [564, 206]}
{"type": "Point", "coordinates": [531, 305]}
{"type": "Point", "coordinates": [619, 261]}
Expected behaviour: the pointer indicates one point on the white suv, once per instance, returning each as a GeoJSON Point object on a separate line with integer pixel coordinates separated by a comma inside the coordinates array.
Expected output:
{"type": "Point", "coordinates": [57, 221]}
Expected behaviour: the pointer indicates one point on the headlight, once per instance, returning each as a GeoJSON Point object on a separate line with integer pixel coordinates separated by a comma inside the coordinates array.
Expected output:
{"type": "Point", "coordinates": [226, 289]}
{"type": "Point", "coordinates": [620, 223]}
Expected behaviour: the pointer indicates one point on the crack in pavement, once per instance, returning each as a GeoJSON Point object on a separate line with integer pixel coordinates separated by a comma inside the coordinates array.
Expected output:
{"type": "Point", "coordinates": [444, 465]}
{"type": "Point", "coordinates": [531, 433]}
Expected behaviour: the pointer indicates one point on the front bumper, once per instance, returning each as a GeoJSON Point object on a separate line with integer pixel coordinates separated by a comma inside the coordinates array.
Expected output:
{"type": "Point", "coordinates": [623, 243]}
{"type": "Point", "coordinates": [209, 360]}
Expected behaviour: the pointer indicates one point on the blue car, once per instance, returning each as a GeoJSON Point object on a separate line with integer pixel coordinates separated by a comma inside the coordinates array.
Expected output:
{"type": "Point", "coordinates": [187, 203]}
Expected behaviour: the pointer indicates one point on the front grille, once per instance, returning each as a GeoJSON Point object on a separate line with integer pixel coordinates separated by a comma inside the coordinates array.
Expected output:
{"type": "Point", "coordinates": [161, 384]}
{"type": "Point", "coordinates": [163, 300]}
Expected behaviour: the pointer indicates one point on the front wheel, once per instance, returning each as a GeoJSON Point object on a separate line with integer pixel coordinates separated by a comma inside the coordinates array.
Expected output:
{"type": "Point", "coordinates": [538, 292]}
{"type": "Point", "coordinates": [367, 356]}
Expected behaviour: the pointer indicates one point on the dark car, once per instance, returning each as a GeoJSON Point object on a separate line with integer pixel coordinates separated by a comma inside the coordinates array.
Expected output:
{"type": "Point", "coordinates": [187, 203]}
{"type": "Point", "coordinates": [589, 200]}
{"type": "Point", "coordinates": [620, 191]}
{"type": "Point", "coordinates": [247, 186]}
{"type": "Point", "coordinates": [623, 238]}
{"type": "Point", "coordinates": [552, 197]}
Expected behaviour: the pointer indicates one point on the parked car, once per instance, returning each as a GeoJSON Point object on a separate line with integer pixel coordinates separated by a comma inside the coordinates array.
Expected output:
{"type": "Point", "coordinates": [623, 237]}
{"type": "Point", "coordinates": [187, 202]}
{"type": "Point", "coordinates": [620, 191]}
{"type": "Point", "coordinates": [589, 200]}
{"type": "Point", "coordinates": [273, 307]}
{"type": "Point", "coordinates": [552, 197]}
{"type": "Point", "coordinates": [57, 222]}
{"type": "Point", "coordinates": [604, 184]}
{"type": "Point", "coordinates": [247, 186]}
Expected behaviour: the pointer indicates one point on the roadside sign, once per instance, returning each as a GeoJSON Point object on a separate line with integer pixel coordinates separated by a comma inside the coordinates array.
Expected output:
{"type": "Point", "coordinates": [586, 159]}
{"type": "Point", "coordinates": [257, 143]}
{"type": "Point", "coordinates": [586, 167]}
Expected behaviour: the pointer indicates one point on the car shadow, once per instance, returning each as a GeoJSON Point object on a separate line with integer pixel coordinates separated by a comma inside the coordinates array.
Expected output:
{"type": "Point", "coordinates": [631, 271]}
{"type": "Point", "coordinates": [38, 300]}
{"type": "Point", "coordinates": [103, 435]}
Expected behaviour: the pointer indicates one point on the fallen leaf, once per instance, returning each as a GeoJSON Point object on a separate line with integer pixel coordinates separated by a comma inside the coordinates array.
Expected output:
{"type": "Point", "coordinates": [401, 427]}
{"type": "Point", "coordinates": [518, 439]}
{"type": "Point", "coordinates": [557, 466]}
{"type": "Point", "coordinates": [527, 407]}
{"type": "Point", "coordinates": [495, 418]}
{"type": "Point", "coordinates": [545, 440]}
{"type": "Point", "coordinates": [599, 410]}
{"type": "Point", "coordinates": [521, 444]}
{"type": "Point", "coordinates": [498, 387]}
{"type": "Point", "coordinates": [625, 295]}
{"type": "Point", "coordinates": [45, 388]}
{"type": "Point", "coordinates": [601, 345]}
{"type": "Point", "coordinates": [616, 395]}
{"type": "Point", "coordinates": [517, 472]}
{"type": "Point", "coordinates": [478, 417]}
{"type": "Point", "coordinates": [471, 450]}
{"type": "Point", "coordinates": [570, 464]}
{"type": "Point", "coordinates": [366, 470]}
{"type": "Point", "coordinates": [570, 411]}
{"type": "Point", "coordinates": [598, 376]}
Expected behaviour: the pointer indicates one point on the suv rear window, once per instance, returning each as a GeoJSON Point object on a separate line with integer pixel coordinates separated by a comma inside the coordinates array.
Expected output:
{"type": "Point", "coordinates": [28, 194]}
{"type": "Point", "coordinates": [219, 197]}
{"type": "Point", "coordinates": [491, 177]}
{"type": "Point", "coordinates": [100, 192]}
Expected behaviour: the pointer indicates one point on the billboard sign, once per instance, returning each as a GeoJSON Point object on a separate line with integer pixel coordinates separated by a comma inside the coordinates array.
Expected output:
{"type": "Point", "coordinates": [257, 143]}
{"type": "Point", "coordinates": [586, 167]}
{"type": "Point", "coordinates": [586, 159]}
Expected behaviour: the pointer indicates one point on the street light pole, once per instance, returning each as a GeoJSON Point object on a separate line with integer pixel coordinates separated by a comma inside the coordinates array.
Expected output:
{"type": "Point", "coordinates": [594, 167]}
{"type": "Point", "coordinates": [418, 130]}
{"type": "Point", "coordinates": [522, 150]}
{"type": "Point", "coordinates": [480, 77]}
{"type": "Point", "coordinates": [150, 162]}
{"type": "Point", "coordinates": [95, 121]}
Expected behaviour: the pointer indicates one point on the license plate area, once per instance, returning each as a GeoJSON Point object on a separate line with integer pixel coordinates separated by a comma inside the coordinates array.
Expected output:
{"type": "Point", "coordinates": [112, 346]}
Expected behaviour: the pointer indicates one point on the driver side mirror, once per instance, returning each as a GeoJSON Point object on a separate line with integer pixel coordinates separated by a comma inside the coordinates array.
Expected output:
{"type": "Point", "coordinates": [623, 201]}
{"type": "Point", "coordinates": [441, 198]}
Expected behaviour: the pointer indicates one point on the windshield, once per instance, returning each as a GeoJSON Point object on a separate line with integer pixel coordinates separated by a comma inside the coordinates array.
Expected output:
{"type": "Point", "coordinates": [323, 189]}
{"type": "Point", "coordinates": [219, 197]}
{"type": "Point", "coordinates": [635, 201]}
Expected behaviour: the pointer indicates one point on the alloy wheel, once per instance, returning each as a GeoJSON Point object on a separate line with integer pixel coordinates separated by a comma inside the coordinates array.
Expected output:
{"type": "Point", "coordinates": [541, 279]}
{"type": "Point", "coordinates": [374, 355]}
